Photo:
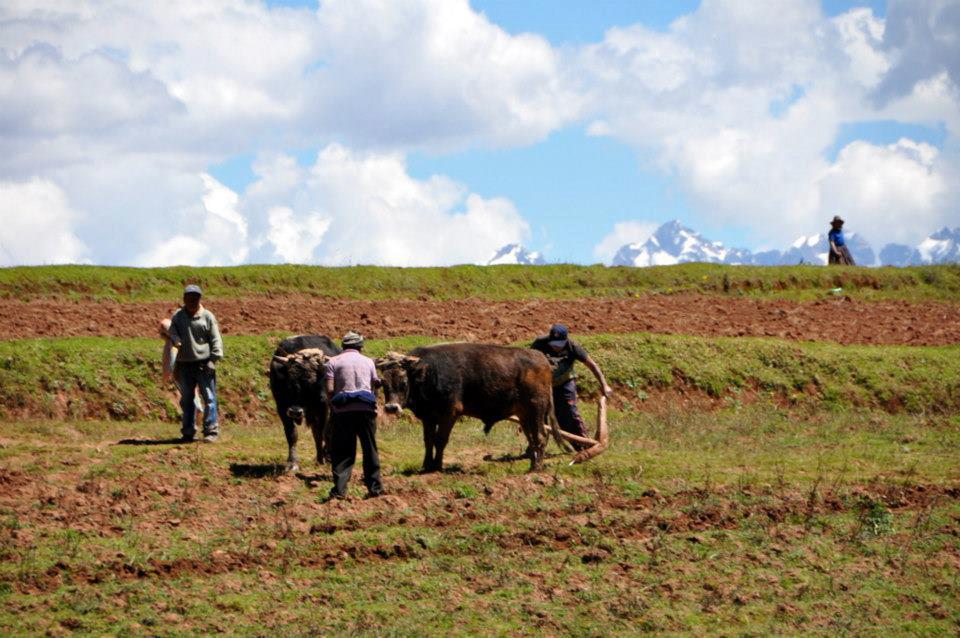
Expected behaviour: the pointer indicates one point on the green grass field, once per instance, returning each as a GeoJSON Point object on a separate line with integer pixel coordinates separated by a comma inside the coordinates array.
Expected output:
{"type": "Point", "coordinates": [746, 521]}
{"type": "Point", "coordinates": [940, 283]}
{"type": "Point", "coordinates": [108, 378]}
{"type": "Point", "coordinates": [752, 487]}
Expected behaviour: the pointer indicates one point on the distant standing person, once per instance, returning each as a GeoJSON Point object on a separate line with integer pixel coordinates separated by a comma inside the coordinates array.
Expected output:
{"type": "Point", "coordinates": [351, 379]}
{"type": "Point", "coordinates": [195, 333]}
{"type": "Point", "coordinates": [563, 352]}
{"type": "Point", "coordinates": [839, 253]}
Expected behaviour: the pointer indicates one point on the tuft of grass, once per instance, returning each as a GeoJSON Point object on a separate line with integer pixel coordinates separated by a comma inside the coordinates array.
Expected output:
{"type": "Point", "coordinates": [563, 281]}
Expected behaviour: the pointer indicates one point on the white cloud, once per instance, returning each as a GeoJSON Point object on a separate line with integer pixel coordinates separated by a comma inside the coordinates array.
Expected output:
{"type": "Point", "coordinates": [364, 208]}
{"type": "Point", "coordinates": [218, 76]}
{"type": "Point", "coordinates": [180, 250]}
{"type": "Point", "coordinates": [896, 189]}
{"type": "Point", "coordinates": [922, 38]}
{"type": "Point", "coordinates": [434, 73]}
{"type": "Point", "coordinates": [214, 234]}
{"type": "Point", "coordinates": [36, 225]}
{"type": "Point", "coordinates": [295, 240]}
{"type": "Point", "coordinates": [632, 232]}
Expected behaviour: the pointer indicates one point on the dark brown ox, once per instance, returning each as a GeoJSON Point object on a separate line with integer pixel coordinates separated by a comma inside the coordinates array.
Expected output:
{"type": "Point", "coordinates": [296, 380]}
{"type": "Point", "coordinates": [442, 383]}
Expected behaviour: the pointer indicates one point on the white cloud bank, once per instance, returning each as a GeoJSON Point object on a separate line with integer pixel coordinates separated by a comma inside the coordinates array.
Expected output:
{"type": "Point", "coordinates": [121, 106]}
{"type": "Point", "coordinates": [364, 208]}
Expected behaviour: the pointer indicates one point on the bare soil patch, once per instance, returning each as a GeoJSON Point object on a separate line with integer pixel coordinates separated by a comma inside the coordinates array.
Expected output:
{"type": "Point", "coordinates": [835, 319]}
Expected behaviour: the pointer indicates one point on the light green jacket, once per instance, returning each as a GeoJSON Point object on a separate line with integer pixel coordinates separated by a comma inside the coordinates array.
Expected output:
{"type": "Point", "coordinates": [197, 337]}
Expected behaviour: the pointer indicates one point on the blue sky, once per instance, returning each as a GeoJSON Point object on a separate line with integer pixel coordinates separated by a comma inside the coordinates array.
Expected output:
{"type": "Point", "coordinates": [434, 131]}
{"type": "Point", "coordinates": [572, 186]}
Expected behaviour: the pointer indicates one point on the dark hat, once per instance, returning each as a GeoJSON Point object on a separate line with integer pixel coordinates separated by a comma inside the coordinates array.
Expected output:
{"type": "Point", "coordinates": [351, 339]}
{"type": "Point", "coordinates": [836, 220]}
{"type": "Point", "coordinates": [558, 335]}
{"type": "Point", "coordinates": [192, 289]}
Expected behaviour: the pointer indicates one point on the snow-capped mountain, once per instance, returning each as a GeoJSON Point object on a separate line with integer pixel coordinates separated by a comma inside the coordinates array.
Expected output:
{"type": "Point", "coordinates": [942, 247]}
{"type": "Point", "coordinates": [516, 254]}
{"type": "Point", "coordinates": [673, 243]}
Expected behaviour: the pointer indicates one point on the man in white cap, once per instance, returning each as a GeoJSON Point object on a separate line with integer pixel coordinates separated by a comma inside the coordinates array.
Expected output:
{"type": "Point", "coordinates": [351, 379]}
{"type": "Point", "coordinates": [196, 335]}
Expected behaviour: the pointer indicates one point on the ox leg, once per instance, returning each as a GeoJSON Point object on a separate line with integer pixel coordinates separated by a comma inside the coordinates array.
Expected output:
{"type": "Point", "coordinates": [536, 441]}
{"type": "Point", "coordinates": [440, 442]}
{"type": "Point", "coordinates": [429, 437]}
{"type": "Point", "coordinates": [320, 427]}
{"type": "Point", "coordinates": [290, 431]}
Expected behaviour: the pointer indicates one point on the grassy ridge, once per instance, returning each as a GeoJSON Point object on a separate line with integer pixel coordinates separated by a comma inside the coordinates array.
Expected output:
{"type": "Point", "coordinates": [495, 283]}
{"type": "Point", "coordinates": [96, 377]}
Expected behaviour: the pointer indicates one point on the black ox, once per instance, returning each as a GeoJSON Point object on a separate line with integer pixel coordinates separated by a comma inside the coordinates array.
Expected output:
{"type": "Point", "coordinates": [296, 381]}
{"type": "Point", "coordinates": [442, 383]}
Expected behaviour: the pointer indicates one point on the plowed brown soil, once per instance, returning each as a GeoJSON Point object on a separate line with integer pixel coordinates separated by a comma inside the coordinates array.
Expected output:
{"type": "Point", "coordinates": [836, 319]}
{"type": "Point", "coordinates": [46, 504]}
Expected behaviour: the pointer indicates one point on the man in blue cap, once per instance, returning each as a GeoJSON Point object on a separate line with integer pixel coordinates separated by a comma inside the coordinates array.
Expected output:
{"type": "Point", "coordinates": [195, 333]}
{"type": "Point", "coordinates": [563, 352]}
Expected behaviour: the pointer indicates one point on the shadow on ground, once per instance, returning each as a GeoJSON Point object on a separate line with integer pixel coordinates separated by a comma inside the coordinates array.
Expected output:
{"type": "Point", "coordinates": [275, 470]}
{"type": "Point", "coordinates": [513, 458]}
{"type": "Point", "coordinates": [257, 470]}
{"type": "Point", "coordinates": [451, 468]}
{"type": "Point", "coordinates": [150, 441]}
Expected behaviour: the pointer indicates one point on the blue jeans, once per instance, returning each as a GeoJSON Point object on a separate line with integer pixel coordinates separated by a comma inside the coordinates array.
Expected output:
{"type": "Point", "coordinates": [565, 408]}
{"type": "Point", "coordinates": [191, 375]}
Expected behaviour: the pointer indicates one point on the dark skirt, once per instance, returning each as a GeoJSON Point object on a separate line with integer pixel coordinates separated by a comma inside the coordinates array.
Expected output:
{"type": "Point", "coordinates": [841, 257]}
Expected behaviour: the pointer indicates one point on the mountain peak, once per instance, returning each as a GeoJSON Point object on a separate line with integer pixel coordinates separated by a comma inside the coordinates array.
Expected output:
{"type": "Point", "coordinates": [673, 243]}
{"type": "Point", "coordinates": [515, 254]}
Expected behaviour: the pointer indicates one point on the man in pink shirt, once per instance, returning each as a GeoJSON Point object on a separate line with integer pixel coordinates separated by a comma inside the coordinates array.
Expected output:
{"type": "Point", "coordinates": [351, 379]}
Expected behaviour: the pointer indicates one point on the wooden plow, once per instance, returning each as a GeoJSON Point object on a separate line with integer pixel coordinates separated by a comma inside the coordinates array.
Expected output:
{"type": "Point", "coordinates": [597, 444]}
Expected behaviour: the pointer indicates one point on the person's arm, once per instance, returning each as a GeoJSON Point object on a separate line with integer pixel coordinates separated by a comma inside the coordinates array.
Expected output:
{"type": "Point", "coordinates": [216, 341]}
{"type": "Point", "coordinates": [831, 238]}
{"type": "Point", "coordinates": [328, 382]}
{"type": "Point", "coordinates": [598, 373]}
